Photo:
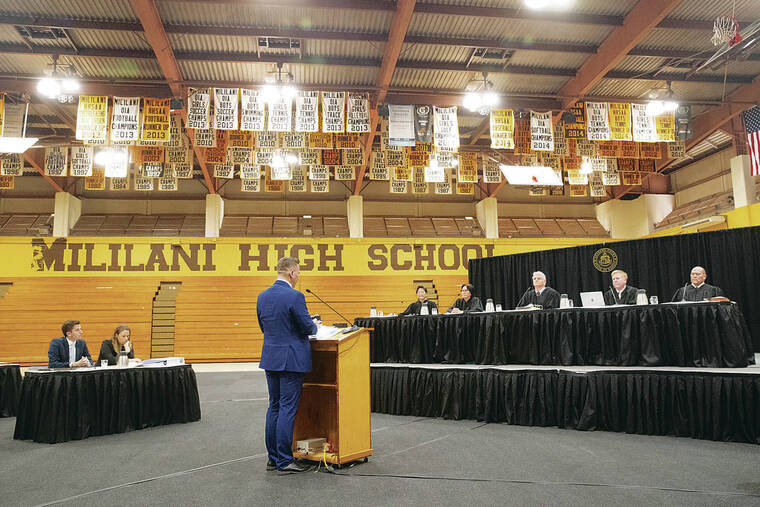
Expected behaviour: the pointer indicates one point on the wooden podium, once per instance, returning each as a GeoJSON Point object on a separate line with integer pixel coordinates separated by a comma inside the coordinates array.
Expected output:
{"type": "Point", "coordinates": [335, 402]}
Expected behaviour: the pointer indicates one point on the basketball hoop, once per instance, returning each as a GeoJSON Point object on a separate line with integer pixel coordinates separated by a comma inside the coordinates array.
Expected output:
{"type": "Point", "coordinates": [726, 30]}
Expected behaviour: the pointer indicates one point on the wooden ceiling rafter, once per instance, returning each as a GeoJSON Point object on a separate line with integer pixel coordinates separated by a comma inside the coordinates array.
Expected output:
{"type": "Point", "coordinates": [33, 159]}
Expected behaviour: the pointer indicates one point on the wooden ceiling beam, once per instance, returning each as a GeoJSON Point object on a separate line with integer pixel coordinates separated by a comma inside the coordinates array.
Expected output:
{"type": "Point", "coordinates": [32, 156]}
{"type": "Point", "coordinates": [638, 23]}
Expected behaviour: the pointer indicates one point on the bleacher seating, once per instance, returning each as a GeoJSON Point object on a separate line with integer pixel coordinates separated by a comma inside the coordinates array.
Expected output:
{"type": "Point", "coordinates": [702, 208]}
{"type": "Point", "coordinates": [26, 225]}
{"type": "Point", "coordinates": [551, 228]}
{"type": "Point", "coordinates": [140, 225]}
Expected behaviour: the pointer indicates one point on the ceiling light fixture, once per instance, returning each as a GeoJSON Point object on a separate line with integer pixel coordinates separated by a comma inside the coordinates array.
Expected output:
{"type": "Point", "coordinates": [60, 84]}
{"type": "Point", "coordinates": [482, 98]}
{"type": "Point", "coordinates": [658, 107]}
{"type": "Point", "coordinates": [549, 4]}
{"type": "Point", "coordinates": [281, 88]}
{"type": "Point", "coordinates": [586, 166]}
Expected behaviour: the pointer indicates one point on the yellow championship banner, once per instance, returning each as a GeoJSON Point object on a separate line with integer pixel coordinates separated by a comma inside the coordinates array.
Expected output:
{"type": "Point", "coordinates": [620, 121]}
{"type": "Point", "coordinates": [467, 170]}
{"type": "Point", "coordinates": [665, 125]}
{"type": "Point", "coordinates": [92, 118]}
{"type": "Point", "coordinates": [156, 120]}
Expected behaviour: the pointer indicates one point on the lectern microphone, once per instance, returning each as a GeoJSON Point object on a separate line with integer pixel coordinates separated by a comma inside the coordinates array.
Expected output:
{"type": "Point", "coordinates": [330, 307]}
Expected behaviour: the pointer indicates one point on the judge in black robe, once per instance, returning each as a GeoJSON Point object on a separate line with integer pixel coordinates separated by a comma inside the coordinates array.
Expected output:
{"type": "Point", "coordinates": [620, 293]}
{"type": "Point", "coordinates": [467, 303]}
{"type": "Point", "coordinates": [697, 290]}
{"type": "Point", "coordinates": [422, 300]}
{"type": "Point", "coordinates": [540, 294]}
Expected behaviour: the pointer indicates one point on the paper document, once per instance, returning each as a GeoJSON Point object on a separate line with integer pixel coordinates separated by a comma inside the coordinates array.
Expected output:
{"type": "Point", "coordinates": [325, 333]}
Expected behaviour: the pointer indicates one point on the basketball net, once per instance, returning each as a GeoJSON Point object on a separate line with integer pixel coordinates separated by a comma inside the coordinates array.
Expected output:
{"type": "Point", "coordinates": [725, 30]}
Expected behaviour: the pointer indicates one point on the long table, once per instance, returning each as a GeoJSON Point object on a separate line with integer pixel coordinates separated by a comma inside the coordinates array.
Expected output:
{"type": "Point", "coordinates": [58, 406]}
{"type": "Point", "coordinates": [10, 384]}
{"type": "Point", "coordinates": [704, 334]}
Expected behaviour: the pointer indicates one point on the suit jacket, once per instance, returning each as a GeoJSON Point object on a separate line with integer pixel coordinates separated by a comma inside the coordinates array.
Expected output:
{"type": "Point", "coordinates": [471, 305]}
{"type": "Point", "coordinates": [286, 324]}
{"type": "Point", "coordinates": [627, 297]}
{"type": "Point", "coordinates": [58, 352]}
{"type": "Point", "coordinates": [107, 352]}
{"type": "Point", "coordinates": [548, 299]}
{"type": "Point", "coordinates": [416, 307]}
{"type": "Point", "coordinates": [694, 294]}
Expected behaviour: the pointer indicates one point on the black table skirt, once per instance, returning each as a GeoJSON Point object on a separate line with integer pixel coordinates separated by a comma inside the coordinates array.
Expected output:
{"type": "Point", "coordinates": [10, 386]}
{"type": "Point", "coordinates": [712, 406]}
{"type": "Point", "coordinates": [60, 406]}
{"type": "Point", "coordinates": [697, 334]}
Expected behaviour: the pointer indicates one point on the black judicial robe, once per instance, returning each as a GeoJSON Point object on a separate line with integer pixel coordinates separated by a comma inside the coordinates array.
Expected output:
{"type": "Point", "coordinates": [697, 294]}
{"type": "Point", "coordinates": [548, 299]}
{"type": "Point", "coordinates": [472, 305]}
{"type": "Point", "coordinates": [627, 297]}
{"type": "Point", "coordinates": [414, 308]}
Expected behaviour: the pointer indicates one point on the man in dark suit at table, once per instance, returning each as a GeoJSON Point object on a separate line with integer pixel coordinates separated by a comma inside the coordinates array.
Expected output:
{"type": "Point", "coordinates": [70, 350]}
{"type": "Point", "coordinates": [540, 294]}
{"type": "Point", "coordinates": [697, 290]}
{"type": "Point", "coordinates": [286, 357]}
{"type": "Point", "coordinates": [620, 293]}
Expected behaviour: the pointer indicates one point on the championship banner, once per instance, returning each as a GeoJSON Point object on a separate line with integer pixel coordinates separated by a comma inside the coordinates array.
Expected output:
{"type": "Point", "coordinates": [92, 118]}
{"type": "Point", "coordinates": [434, 173]}
{"type": "Point", "coordinates": [177, 138]}
{"type": "Point", "coordinates": [548, 160]}
{"type": "Point", "coordinates": [347, 141]}
{"type": "Point", "coordinates": [218, 154]}
{"type": "Point", "coordinates": [118, 184]}
{"type": "Point", "coordinates": [561, 145]}
{"type": "Point", "coordinates": [266, 140]}
{"type": "Point", "coordinates": [394, 158]}
{"type": "Point", "coordinates": [676, 150]}
{"type": "Point", "coordinates": [225, 171]}
{"type": "Point", "coordinates": [577, 190]}
{"type": "Point", "coordinates": [280, 115]}
{"type": "Point", "coordinates": [309, 157]}
{"type": "Point", "coordinates": [465, 188]}
{"type": "Point", "coordinates": [401, 126]}
{"type": "Point", "coordinates": [250, 172]}
{"type": "Point", "coordinates": [585, 148]}
{"type": "Point", "coordinates": [263, 157]}
{"type": "Point", "coordinates": [402, 174]}
{"type": "Point", "coordinates": [609, 149]}
{"type": "Point", "coordinates": [571, 163]}
{"type": "Point", "coordinates": [644, 130]}
{"type": "Point", "coordinates": [307, 111]}
{"type": "Point", "coordinates": [646, 165]}
{"type": "Point", "coordinates": [631, 178]}
{"type": "Point", "coordinates": [250, 185]}
{"type": "Point", "coordinates": [56, 160]}
{"type": "Point", "coordinates": [419, 185]}
{"type": "Point", "coordinates": [178, 156]}
{"type": "Point", "coordinates": [198, 104]}
{"type": "Point", "coordinates": [150, 160]}
{"type": "Point", "coordinates": [620, 122]}
{"type": "Point", "coordinates": [81, 161]}
{"type": "Point", "coordinates": [297, 181]}
{"type": "Point", "coordinates": [167, 184]}
{"type": "Point", "coordinates": [125, 119]}
{"type": "Point", "coordinates": [272, 185]}
{"type": "Point", "coordinates": [491, 171]}
{"type": "Point", "coordinates": [6, 182]}
{"type": "Point", "coordinates": [598, 164]}
{"type": "Point", "coordinates": [239, 155]}
{"type": "Point", "coordinates": [650, 150]}
{"type": "Point", "coordinates": [596, 184]}
{"type": "Point", "coordinates": [353, 157]}
{"type": "Point", "coordinates": [377, 168]}
{"type": "Point", "coordinates": [345, 172]}
{"type": "Point", "coordinates": [575, 177]}
{"type": "Point", "coordinates": [156, 120]}
{"type": "Point", "coordinates": [541, 131]}
{"type": "Point", "coordinates": [467, 170]}
{"type": "Point", "coordinates": [320, 141]}
{"type": "Point", "coordinates": [576, 129]}
{"type": "Point", "coordinates": [444, 188]}
{"type": "Point", "coordinates": [320, 186]}
{"type": "Point", "coordinates": [444, 158]}
{"type": "Point", "coordinates": [397, 186]}
{"type": "Point", "coordinates": [423, 126]}
{"type": "Point", "coordinates": [182, 171]}
{"type": "Point", "coordinates": [418, 155]}
{"type": "Point", "coordinates": [12, 118]}
{"type": "Point", "coordinates": [333, 112]}
{"type": "Point", "coordinates": [144, 184]}
{"type": "Point", "coordinates": [557, 191]}
{"type": "Point", "coordinates": [118, 163]}
{"type": "Point", "coordinates": [611, 176]}
{"type": "Point", "coordinates": [253, 113]}
{"type": "Point", "coordinates": [332, 157]}
{"type": "Point", "coordinates": [626, 165]}
{"type": "Point", "coordinates": [537, 191]}
{"type": "Point", "coordinates": [357, 119]}
{"type": "Point", "coordinates": [446, 128]}
{"type": "Point", "coordinates": [597, 121]}
{"type": "Point", "coordinates": [152, 170]}
{"type": "Point", "coordinates": [319, 172]}
{"type": "Point", "coordinates": [665, 125]}
{"type": "Point", "coordinates": [280, 172]}
{"type": "Point", "coordinates": [522, 136]}
{"type": "Point", "coordinates": [12, 164]}
{"type": "Point", "coordinates": [97, 180]}
{"type": "Point", "coordinates": [502, 129]}
{"type": "Point", "coordinates": [529, 160]}
{"type": "Point", "coordinates": [385, 139]}
{"type": "Point", "coordinates": [226, 108]}
{"type": "Point", "coordinates": [629, 149]}
{"type": "Point", "coordinates": [204, 138]}
{"type": "Point", "coordinates": [294, 140]}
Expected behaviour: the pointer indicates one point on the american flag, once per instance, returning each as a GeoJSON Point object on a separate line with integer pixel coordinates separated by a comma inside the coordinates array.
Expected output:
{"type": "Point", "coordinates": [752, 125]}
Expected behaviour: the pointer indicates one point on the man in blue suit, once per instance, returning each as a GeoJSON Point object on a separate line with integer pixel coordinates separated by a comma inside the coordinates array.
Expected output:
{"type": "Point", "coordinates": [70, 350]}
{"type": "Point", "coordinates": [286, 357]}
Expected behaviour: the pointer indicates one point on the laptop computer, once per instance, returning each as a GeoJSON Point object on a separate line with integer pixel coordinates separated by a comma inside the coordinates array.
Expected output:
{"type": "Point", "coordinates": [591, 299]}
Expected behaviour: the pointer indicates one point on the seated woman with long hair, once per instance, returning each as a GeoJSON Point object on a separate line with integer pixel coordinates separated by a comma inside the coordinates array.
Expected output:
{"type": "Point", "coordinates": [110, 348]}
{"type": "Point", "coordinates": [422, 300]}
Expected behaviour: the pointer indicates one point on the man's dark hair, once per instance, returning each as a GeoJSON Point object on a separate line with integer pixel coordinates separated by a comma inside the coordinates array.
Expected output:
{"type": "Point", "coordinates": [68, 326]}
{"type": "Point", "coordinates": [469, 286]}
{"type": "Point", "coordinates": [421, 287]}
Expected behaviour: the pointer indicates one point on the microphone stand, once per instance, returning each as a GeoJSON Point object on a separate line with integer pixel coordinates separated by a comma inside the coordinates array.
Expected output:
{"type": "Point", "coordinates": [683, 296]}
{"type": "Point", "coordinates": [330, 307]}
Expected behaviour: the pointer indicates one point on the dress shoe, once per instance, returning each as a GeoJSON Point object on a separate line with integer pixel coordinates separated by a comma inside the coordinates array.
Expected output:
{"type": "Point", "coordinates": [271, 465]}
{"type": "Point", "coordinates": [293, 468]}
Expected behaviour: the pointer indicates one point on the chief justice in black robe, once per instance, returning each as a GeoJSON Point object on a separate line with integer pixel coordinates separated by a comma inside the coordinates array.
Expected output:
{"type": "Point", "coordinates": [697, 290]}
{"type": "Point", "coordinates": [540, 294]}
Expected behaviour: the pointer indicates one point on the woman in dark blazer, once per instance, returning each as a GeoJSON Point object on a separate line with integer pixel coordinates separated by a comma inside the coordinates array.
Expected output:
{"type": "Point", "coordinates": [422, 300]}
{"type": "Point", "coordinates": [110, 348]}
{"type": "Point", "coordinates": [467, 303]}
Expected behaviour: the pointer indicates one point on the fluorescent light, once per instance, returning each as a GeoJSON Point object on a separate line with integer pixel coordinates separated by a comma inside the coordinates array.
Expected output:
{"type": "Point", "coordinates": [530, 175]}
{"type": "Point", "coordinates": [472, 101]}
{"type": "Point", "coordinates": [16, 144]}
{"type": "Point", "coordinates": [307, 216]}
{"type": "Point", "coordinates": [658, 107]}
{"type": "Point", "coordinates": [468, 218]}
{"type": "Point", "coordinates": [49, 87]}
